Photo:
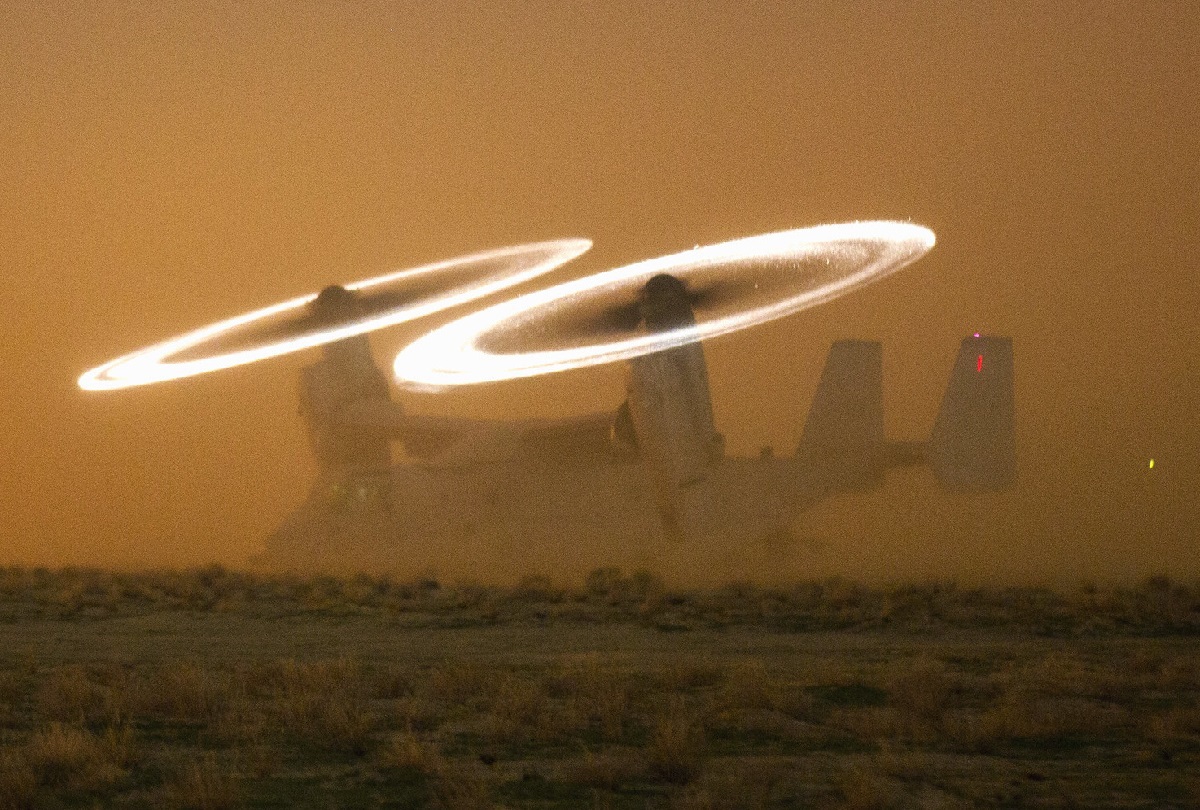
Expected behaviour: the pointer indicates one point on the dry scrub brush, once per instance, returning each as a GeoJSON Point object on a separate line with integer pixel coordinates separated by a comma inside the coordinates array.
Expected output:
{"type": "Point", "coordinates": [726, 723]}
{"type": "Point", "coordinates": [204, 783]}
{"type": "Point", "coordinates": [326, 703]}
{"type": "Point", "coordinates": [677, 745]}
{"type": "Point", "coordinates": [1157, 604]}
{"type": "Point", "coordinates": [60, 758]}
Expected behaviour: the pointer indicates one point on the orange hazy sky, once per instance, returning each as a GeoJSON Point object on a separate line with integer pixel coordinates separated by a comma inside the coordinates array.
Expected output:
{"type": "Point", "coordinates": [165, 165]}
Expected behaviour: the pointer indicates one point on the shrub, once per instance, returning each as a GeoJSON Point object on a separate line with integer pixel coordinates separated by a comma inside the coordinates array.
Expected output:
{"type": "Point", "coordinates": [515, 710]}
{"type": "Point", "coordinates": [922, 692]}
{"type": "Point", "coordinates": [186, 691]}
{"type": "Point", "coordinates": [68, 695]}
{"type": "Point", "coordinates": [203, 784]}
{"type": "Point", "coordinates": [610, 770]}
{"type": "Point", "coordinates": [326, 703]}
{"type": "Point", "coordinates": [601, 695]}
{"type": "Point", "coordinates": [18, 779]}
{"type": "Point", "coordinates": [676, 749]}
{"type": "Point", "coordinates": [405, 750]}
{"type": "Point", "coordinates": [64, 756]}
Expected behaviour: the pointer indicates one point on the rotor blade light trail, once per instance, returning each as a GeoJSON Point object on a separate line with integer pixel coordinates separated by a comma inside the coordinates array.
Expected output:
{"type": "Point", "coordinates": [417, 292]}
{"type": "Point", "coordinates": [737, 284]}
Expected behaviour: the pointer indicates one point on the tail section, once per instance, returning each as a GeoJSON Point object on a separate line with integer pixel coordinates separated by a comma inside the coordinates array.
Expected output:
{"type": "Point", "coordinates": [842, 447]}
{"type": "Point", "coordinates": [973, 447]}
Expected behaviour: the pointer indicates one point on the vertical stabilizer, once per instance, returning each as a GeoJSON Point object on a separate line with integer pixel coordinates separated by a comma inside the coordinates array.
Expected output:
{"type": "Point", "coordinates": [842, 446]}
{"type": "Point", "coordinates": [973, 447]}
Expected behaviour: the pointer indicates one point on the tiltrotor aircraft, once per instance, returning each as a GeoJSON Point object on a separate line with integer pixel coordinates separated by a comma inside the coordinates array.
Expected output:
{"type": "Point", "coordinates": [638, 485]}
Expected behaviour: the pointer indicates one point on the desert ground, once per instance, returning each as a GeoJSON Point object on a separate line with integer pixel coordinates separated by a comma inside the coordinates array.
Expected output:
{"type": "Point", "coordinates": [215, 688]}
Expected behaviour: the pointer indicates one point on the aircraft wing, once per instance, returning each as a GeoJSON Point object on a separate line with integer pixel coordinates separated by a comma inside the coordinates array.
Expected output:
{"type": "Point", "coordinates": [431, 437]}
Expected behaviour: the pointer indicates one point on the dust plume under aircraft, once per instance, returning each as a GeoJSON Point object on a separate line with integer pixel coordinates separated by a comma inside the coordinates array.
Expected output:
{"type": "Point", "coordinates": [647, 482]}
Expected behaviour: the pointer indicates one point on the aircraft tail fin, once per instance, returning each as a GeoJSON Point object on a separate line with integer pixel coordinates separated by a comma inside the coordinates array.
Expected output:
{"type": "Point", "coordinates": [843, 447]}
{"type": "Point", "coordinates": [973, 447]}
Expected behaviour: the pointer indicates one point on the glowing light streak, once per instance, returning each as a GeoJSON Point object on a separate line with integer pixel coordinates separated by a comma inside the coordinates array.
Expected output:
{"type": "Point", "coordinates": [979, 364]}
{"type": "Point", "coordinates": [1152, 464]}
{"type": "Point", "coordinates": [821, 263]}
{"type": "Point", "coordinates": [497, 269]}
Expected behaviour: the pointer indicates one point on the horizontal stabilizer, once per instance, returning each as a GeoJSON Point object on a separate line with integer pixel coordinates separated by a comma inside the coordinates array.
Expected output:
{"type": "Point", "coordinates": [973, 448]}
{"type": "Point", "coordinates": [842, 446]}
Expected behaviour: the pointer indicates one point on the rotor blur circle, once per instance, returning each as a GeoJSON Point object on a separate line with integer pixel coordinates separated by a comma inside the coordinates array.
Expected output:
{"type": "Point", "coordinates": [381, 301]}
{"type": "Point", "coordinates": [594, 320]}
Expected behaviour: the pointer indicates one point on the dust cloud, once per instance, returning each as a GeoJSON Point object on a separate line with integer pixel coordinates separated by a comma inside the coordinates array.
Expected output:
{"type": "Point", "coordinates": [175, 165]}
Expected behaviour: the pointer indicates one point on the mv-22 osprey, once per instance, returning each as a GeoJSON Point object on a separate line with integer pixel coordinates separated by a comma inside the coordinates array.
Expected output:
{"type": "Point", "coordinates": [625, 487]}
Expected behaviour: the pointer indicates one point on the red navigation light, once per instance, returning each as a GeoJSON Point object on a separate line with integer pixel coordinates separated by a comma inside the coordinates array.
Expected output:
{"type": "Point", "coordinates": [979, 363]}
